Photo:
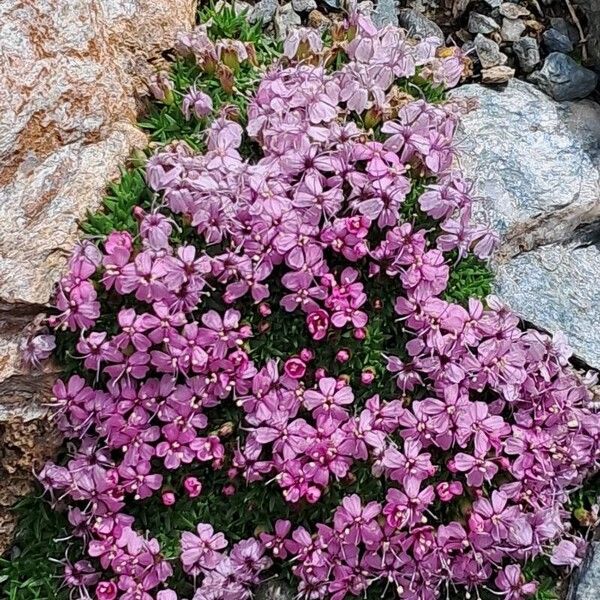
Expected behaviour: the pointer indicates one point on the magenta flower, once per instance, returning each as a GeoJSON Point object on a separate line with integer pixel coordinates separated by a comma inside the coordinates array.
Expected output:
{"type": "Point", "coordinates": [201, 552]}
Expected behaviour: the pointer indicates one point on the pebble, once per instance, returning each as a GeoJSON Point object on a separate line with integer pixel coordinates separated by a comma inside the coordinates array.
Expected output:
{"type": "Point", "coordinates": [499, 74]}
{"type": "Point", "coordinates": [528, 53]}
{"type": "Point", "coordinates": [304, 5]}
{"type": "Point", "coordinates": [493, 3]}
{"type": "Point", "coordinates": [488, 52]}
{"type": "Point", "coordinates": [366, 7]}
{"type": "Point", "coordinates": [563, 79]}
{"type": "Point", "coordinates": [317, 20]}
{"type": "Point", "coordinates": [418, 25]}
{"type": "Point", "coordinates": [512, 29]}
{"type": "Point", "coordinates": [479, 23]}
{"type": "Point", "coordinates": [263, 11]}
{"type": "Point", "coordinates": [555, 41]}
{"type": "Point", "coordinates": [534, 25]}
{"type": "Point", "coordinates": [285, 19]}
{"type": "Point", "coordinates": [385, 13]}
{"type": "Point", "coordinates": [513, 11]}
{"type": "Point", "coordinates": [333, 4]}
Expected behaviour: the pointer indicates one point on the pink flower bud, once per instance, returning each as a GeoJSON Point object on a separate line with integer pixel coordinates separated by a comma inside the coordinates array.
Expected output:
{"type": "Point", "coordinates": [367, 377]}
{"type": "Point", "coordinates": [342, 356]}
{"type": "Point", "coordinates": [456, 488]}
{"type": "Point", "coordinates": [168, 498]}
{"type": "Point", "coordinates": [232, 473]}
{"type": "Point", "coordinates": [192, 486]}
{"type": "Point", "coordinates": [229, 490]}
{"type": "Point", "coordinates": [360, 333]}
{"type": "Point", "coordinates": [264, 309]}
{"type": "Point", "coordinates": [320, 373]}
{"type": "Point", "coordinates": [106, 590]}
{"type": "Point", "coordinates": [306, 354]}
{"type": "Point", "coordinates": [451, 466]}
{"type": "Point", "coordinates": [246, 331]}
{"type": "Point", "coordinates": [294, 367]}
{"type": "Point", "coordinates": [443, 491]}
{"type": "Point", "coordinates": [318, 323]}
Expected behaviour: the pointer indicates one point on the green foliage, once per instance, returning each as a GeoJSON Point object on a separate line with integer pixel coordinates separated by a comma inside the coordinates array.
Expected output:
{"type": "Point", "coordinates": [469, 278]}
{"type": "Point", "coordinates": [27, 572]}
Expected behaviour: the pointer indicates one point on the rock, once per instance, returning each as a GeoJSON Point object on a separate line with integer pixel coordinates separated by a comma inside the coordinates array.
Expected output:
{"type": "Point", "coordinates": [334, 5]}
{"type": "Point", "coordinates": [591, 10]}
{"type": "Point", "coordinates": [263, 11]}
{"type": "Point", "coordinates": [534, 26]}
{"type": "Point", "coordinates": [385, 13]}
{"type": "Point", "coordinates": [536, 164]}
{"type": "Point", "coordinates": [488, 52]}
{"type": "Point", "coordinates": [304, 5]}
{"type": "Point", "coordinates": [565, 28]}
{"type": "Point", "coordinates": [493, 3]}
{"type": "Point", "coordinates": [495, 75]}
{"type": "Point", "coordinates": [285, 19]}
{"type": "Point", "coordinates": [512, 29]}
{"type": "Point", "coordinates": [318, 20]}
{"type": "Point", "coordinates": [69, 73]}
{"type": "Point", "coordinates": [528, 53]}
{"type": "Point", "coordinates": [563, 79]}
{"type": "Point", "coordinates": [479, 23]}
{"type": "Point", "coordinates": [510, 10]}
{"type": "Point", "coordinates": [418, 25]}
{"type": "Point", "coordinates": [588, 586]}
{"type": "Point", "coordinates": [555, 41]}
{"type": "Point", "coordinates": [274, 590]}
{"type": "Point", "coordinates": [366, 7]}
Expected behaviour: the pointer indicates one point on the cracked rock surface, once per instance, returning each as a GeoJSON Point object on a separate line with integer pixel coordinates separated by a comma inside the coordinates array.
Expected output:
{"type": "Point", "coordinates": [69, 73]}
{"type": "Point", "coordinates": [536, 164]}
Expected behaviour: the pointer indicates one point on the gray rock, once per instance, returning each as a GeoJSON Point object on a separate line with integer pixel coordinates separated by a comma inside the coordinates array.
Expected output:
{"type": "Point", "coordinates": [565, 28]}
{"type": "Point", "coordinates": [263, 11]}
{"type": "Point", "coordinates": [274, 590]}
{"type": "Point", "coordinates": [366, 7]}
{"type": "Point", "coordinates": [285, 19]}
{"type": "Point", "coordinates": [512, 29]}
{"type": "Point", "coordinates": [488, 52]}
{"type": "Point", "coordinates": [479, 23]}
{"type": "Point", "coordinates": [555, 41]}
{"type": "Point", "coordinates": [510, 10]}
{"type": "Point", "coordinates": [528, 53]}
{"type": "Point", "coordinates": [563, 79]}
{"type": "Point", "coordinates": [304, 5]}
{"type": "Point", "coordinates": [536, 164]}
{"type": "Point", "coordinates": [418, 25]}
{"type": "Point", "coordinates": [493, 3]}
{"type": "Point", "coordinates": [588, 587]}
{"type": "Point", "coordinates": [333, 4]}
{"type": "Point", "coordinates": [591, 9]}
{"type": "Point", "coordinates": [385, 13]}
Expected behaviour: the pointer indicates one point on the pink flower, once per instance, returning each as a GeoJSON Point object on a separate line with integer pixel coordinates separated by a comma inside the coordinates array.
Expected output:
{"type": "Point", "coordinates": [511, 583]}
{"type": "Point", "coordinates": [106, 590]}
{"type": "Point", "coordinates": [192, 486]}
{"type": "Point", "coordinates": [318, 323]}
{"type": "Point", "coordinates": [367, 377]}
{"type": "Point", "coordinates": [295, 367]}
{"type": "Point", "coordinates": [328, 399]}
{"type": "Point", "coordinates": [342, 356]}
{"type": "Point", "coordinates": [201, 551]}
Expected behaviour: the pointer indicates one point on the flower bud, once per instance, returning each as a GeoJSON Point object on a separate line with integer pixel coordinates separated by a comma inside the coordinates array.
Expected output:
{"type": "Point", "coordinates": [264, 309]}
{"type": "Point", "coordinates": [294, 367]}
{"type": "Point", "coordinates": [192, 486]}
{"type": "Point", "coordinates": [320, 373]}
{"type": "Point", "coordinates": [360, 333]}
{"type": "Point", "coordinates": [228, 490]}
{"type": "Point", "coordinates": [367, 377]}
{"type": "Point", "coordinates": [226, 429]}
{"type": "Point", "coordinates": [168, 498]}
{"type": "Point", "coordinates": [106, 590]}
{"type": "Point", "coordinates": [342, 356]}
{"type": "Point", "coordinates": [306, 354]}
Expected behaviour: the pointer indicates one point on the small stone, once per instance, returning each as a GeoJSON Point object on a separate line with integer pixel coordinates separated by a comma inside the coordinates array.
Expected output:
{"type": "Point", "coordinates": [418, 25]}
{"type": "Point", "coordinates": [488, 52]}
{"type": "Point", "coordinates": [565, 28]}
{"type": "Point", "coordinates": [499, 74]}
{"type": "Point", "coordinates": [493, 3]}
{"type": "Point", "coordinates": [304, 5]}
{"type": "Point", "coordinates": [528, 53]}
{"type": "Point", "coordinates": [534, 25]}
{"type": "Point", "coordinates": [464, 36]}
{"type": "Point", "coordinates": [333, 4]}
{"type": "Point", "coordinates": [385, 13]}
{"type": "Point", "coordinates": [512, 29]}
{"type": "Point", "coordinates": [563, 79]}
{"type": "Point", "coordinates": [366, 7]}
{"type": "Point", "coordinates": [555, 41]}
{"type": "Point", "coordinates": [263, 11]}
{"type": "Point", "coordinates": [285, 19]}
{"type": "Point", "coordinates": [513, 11]}
{"type": "Point", "coordinates": [317, 20]}
{"type": "Point", "coordinates": [479, 23]}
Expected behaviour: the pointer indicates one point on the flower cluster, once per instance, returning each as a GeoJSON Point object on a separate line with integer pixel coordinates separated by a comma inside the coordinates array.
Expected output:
{"type": "Point", "coordinates": [474, 453]}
